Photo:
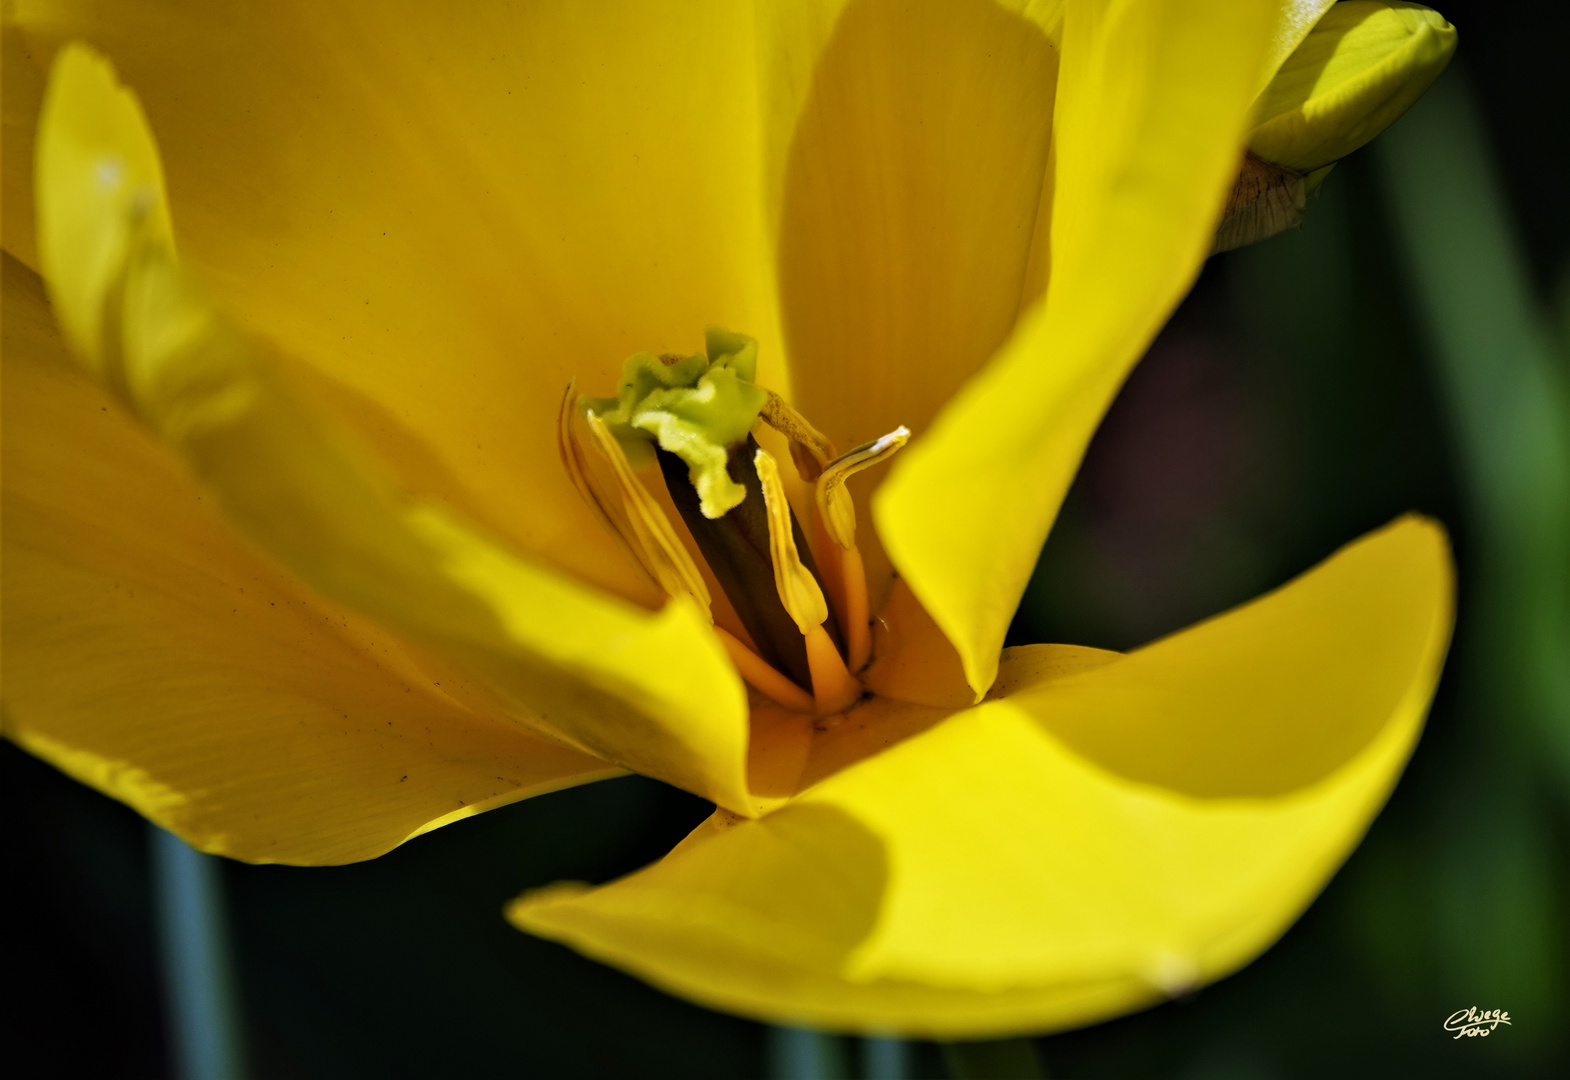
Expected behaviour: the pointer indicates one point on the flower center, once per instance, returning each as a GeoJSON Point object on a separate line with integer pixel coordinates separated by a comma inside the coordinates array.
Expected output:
{"type": "Point", "coordinates": [694, 417]}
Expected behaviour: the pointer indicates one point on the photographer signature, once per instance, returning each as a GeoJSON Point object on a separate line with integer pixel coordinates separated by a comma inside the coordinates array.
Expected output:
{"type": "Point", "coordinates": [1469, 1022]}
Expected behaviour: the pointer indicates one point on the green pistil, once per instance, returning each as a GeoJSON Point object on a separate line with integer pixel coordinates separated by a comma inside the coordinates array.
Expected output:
{"type": "Point", "coordinates": [695, 407]}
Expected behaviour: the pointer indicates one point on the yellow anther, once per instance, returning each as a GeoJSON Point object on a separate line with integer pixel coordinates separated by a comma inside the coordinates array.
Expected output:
{"type": "Point", "coordinates": [810, 449]}
{"type": "Point", "coordinates": [799, 593]}
{"type": "Point", "coordinates": [835, 508]}
{"type": "Point", "coordinates": [571, 450]}
{"type": "Point", "coordinates": [650, 534]}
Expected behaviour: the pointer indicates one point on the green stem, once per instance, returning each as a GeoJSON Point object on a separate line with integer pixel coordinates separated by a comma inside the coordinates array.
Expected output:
{"type": "Point", "coordinates": [204, 1014]}
{"type": "Point", "coordinates": [803, 1054]}
{"type": "Point", "coordinates": [885, 1059]}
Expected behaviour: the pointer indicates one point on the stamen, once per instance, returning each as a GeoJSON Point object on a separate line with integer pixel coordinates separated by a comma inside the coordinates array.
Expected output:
{"type": "Point", "coordinates": [609, 515]}
{"type": "Point", "coordinates": [835, 507]}
{"type": "Point", "coordinates": [837, 518]}
{"type": "Point", "coordinates": [669, 561]}
{"type": "Point", "coordinates": [736, 547]}
{"type": "Point", "coordinates": [763, 676]}
{"type": "Point", "coordinates": [833, 686]}
{"type": "Point", "coordinates": [797, 587]}
{"type": "Point", "coordinates": [697, 414]}
{"type": "Point", "coordinates": [810, 449]}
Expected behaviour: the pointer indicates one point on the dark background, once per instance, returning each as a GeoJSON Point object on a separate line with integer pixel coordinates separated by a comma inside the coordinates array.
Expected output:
{"type": "Point", "coordinates": [1290, 406]}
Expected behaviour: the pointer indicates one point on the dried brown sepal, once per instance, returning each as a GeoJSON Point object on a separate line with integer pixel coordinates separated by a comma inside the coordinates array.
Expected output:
{"type": "Point", "coordinates": [1265, 199]}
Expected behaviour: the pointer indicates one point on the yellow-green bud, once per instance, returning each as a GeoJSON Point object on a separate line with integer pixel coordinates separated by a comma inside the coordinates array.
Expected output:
{"type": "Point", "coordinates": [1362, 66]}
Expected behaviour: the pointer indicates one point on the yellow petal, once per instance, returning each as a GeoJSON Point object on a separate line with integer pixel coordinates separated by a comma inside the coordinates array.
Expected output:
{"type": "Point", "coordinates": [1294, 22]}
{"type": "Point", "coordinates": [101, 193]}
{"type": "Point", "coordinates": [453, 214]}
{"type": "Point", "coordinates": [1113, 831]}
{"type": "Point", "coordinates": [1363, 65]}
{"type": "Point", "coordinates": [151, 654]}
{"type": "Point", "coordinates": [654, 693]}
{"type": "Point", "coordinates": [908, 208]}
{"type": "Point", "coordinates": [1152, 102]}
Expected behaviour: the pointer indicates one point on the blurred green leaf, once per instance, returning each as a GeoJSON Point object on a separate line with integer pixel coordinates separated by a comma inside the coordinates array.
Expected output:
{"type": "Point", "coordinates": [1505, 393]}
{"type": "Point", "coordinates": [1504, 388]}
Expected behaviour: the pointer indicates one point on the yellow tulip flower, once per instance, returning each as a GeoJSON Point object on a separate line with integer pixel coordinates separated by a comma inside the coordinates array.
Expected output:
{"type": "Point", "coordinates": [308, 558]}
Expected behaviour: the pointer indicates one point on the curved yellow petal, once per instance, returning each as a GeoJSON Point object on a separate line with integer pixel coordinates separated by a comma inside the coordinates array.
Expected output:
{"type": "Point", "coordinates": [1152, 102]}
{"type": "Point", "coordinates": [100, 195]}
{"type": "Point", "coordinates": [1294, 23]}
{"type": "Point", "coordinates": [654, 693]}
{"type": "Point", "coordinates": [1113, 831]}
{"type": "Point", "coordinates": [1363, 65]}
{"type": "Point", "coordinates": [151, 654]}
{"type": "Point", "coordinates": [910, 194]}
{"type": "Point", "coordinates": [454, 213]}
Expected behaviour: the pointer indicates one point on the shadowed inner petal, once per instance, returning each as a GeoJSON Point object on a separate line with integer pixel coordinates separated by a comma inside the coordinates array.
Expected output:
{"type": "Point", "coordinates": [910, 205]}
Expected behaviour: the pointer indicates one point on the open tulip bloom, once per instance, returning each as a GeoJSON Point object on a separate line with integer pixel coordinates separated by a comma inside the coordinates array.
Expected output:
{"type": "Point", "coordinates": [402, 493]}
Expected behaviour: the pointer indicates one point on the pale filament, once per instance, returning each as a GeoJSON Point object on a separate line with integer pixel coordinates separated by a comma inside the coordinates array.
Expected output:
{"type": "Point", "coordinates": [857, 609]}
{"type": "Point", "coordinates": [834, 688]}
{"type": "Point", "coordinates": [763, 676]}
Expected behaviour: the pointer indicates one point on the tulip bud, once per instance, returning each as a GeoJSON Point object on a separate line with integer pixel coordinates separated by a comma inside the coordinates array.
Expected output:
{"type": "Point", "coordinates": [1362, 66]}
